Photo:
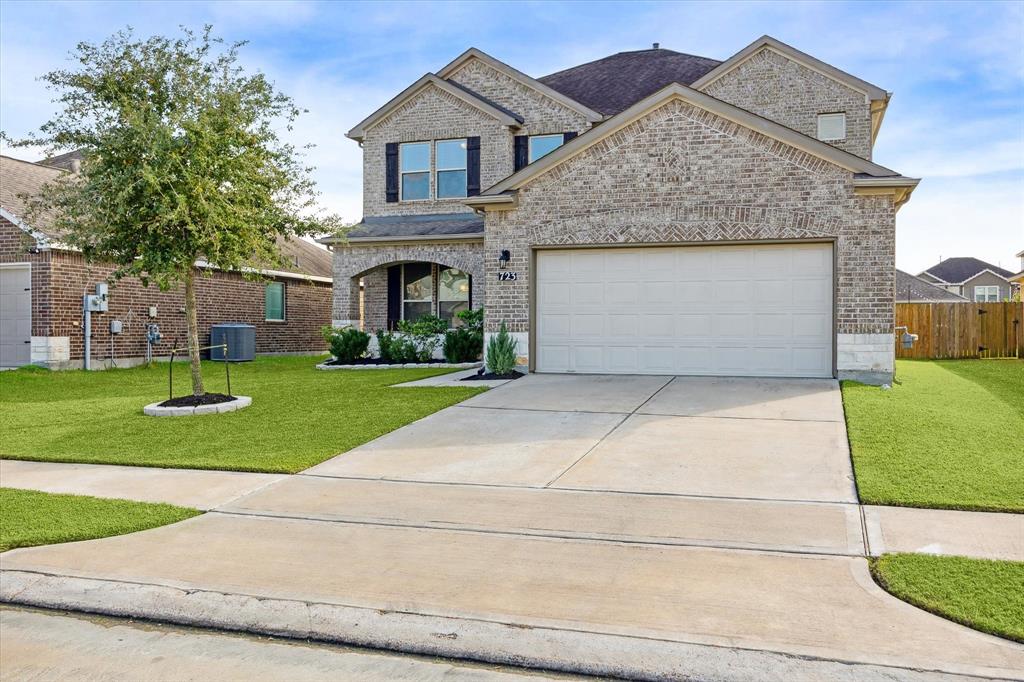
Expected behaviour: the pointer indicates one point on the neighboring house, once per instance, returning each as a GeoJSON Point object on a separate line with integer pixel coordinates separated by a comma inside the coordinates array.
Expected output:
{"type": "Point", "coordinates": [1018, 279]}
{"type": "Point", "coordinates": [971, 278]}
{"type": "Point", "coordinates": [651, 212]}
{"type": "Point", "coordinates": [42, 283]}
{"type": "Point", "coordinates": [910, 289]}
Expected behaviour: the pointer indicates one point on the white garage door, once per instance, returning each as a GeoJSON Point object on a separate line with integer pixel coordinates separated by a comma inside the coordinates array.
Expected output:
{"type": "Point", "coordinates": [15, 315]}
{"type": "Point", "coordinates": [754, 310]}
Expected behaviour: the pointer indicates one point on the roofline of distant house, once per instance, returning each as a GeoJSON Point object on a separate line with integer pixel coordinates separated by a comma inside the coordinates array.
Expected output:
{"type": "Point", "coordinates": [979, 272]}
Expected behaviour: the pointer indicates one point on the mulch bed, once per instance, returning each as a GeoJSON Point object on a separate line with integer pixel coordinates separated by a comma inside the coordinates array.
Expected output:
{"type": "Point", "coordinates": [197, 400]}
{"type": "Point", "coordinates": [490, 376]}
{"type": "Point", "coordinates": [375, 361]}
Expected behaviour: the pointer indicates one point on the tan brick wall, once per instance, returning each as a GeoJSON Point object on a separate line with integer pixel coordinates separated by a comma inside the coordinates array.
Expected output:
{"type": "Point", "coordinates": [789, 93]}
{"type": "Point", "coordinates": [432, 115]}
{"type": "Point", "coordinates": [540, 113]}
{"type": "Point", "coordinates": [370, 262]}
{"type": "Point", "coordinates": [683, 175]}
{"type": "Point", "coordinates": [375, 297]}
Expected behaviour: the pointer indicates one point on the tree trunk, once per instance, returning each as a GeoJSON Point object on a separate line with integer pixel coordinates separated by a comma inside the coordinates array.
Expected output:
{"type": "Point", "coordinates": [192, 317]}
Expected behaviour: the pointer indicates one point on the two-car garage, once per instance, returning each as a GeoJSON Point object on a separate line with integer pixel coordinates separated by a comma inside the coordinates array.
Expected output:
{"type": "Point", "coordinates": [739, 310]}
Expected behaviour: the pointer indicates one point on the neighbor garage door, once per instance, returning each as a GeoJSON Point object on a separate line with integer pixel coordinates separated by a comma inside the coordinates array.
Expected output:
{"type": "Point", "coordinates": [15, 315]}
{"type": "Point", "coordinates": [752, 310]}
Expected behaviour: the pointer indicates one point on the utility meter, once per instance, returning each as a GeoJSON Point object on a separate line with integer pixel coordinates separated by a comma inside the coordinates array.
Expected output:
{"type": "Point", "coordinates": [909, 339]}
{"type": "Point", "coordinates": [97, 303]}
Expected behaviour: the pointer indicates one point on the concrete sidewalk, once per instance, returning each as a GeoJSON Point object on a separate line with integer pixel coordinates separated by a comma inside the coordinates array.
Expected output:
{"type": "Point", "coordinates": [196, 488]}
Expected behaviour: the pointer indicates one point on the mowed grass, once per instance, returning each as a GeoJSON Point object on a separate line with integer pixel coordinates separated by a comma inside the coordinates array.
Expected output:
{"type": "Point", "coordinates": [29, 518]}
{"type": "Point", "coordinates": [948, 435]}
{"type": "Point", "coordinates": [299, 416]}
{"type": "Point", "coordinates": [982, 594]}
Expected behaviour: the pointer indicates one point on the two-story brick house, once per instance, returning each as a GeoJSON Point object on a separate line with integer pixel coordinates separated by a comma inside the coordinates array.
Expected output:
{"type": "Point", "coordinates": [650, 212]}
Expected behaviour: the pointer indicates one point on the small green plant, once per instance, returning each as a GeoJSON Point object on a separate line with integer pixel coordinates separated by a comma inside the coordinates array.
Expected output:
{"type": "Point", "coordinates": [425, 333]}
{"type": "Point", "coordinates": [501, 352]}
{"type": "Point", "coordinates": [466, 343]}
{"type": "Point", "coordinates": [395, 349]}
{"type": "Point", "coordinates": [347, 343]}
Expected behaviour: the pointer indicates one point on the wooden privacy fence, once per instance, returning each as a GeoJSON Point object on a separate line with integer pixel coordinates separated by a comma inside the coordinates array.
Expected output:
{"type": "Point", "coordinates": [962, 330]}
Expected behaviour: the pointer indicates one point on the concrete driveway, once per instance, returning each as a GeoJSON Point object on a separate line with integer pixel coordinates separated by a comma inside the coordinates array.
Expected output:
{"type": "Point", "coordinates": [738, 438]}
{"type": "Point", "coordinates": [647, 527]}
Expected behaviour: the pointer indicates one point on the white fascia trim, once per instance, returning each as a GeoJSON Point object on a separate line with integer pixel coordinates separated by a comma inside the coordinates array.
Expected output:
{"type": "Point", "coordinates": [42, 241]}
{"type": "Point", "coordinates": [871, 92]}
{"type": "Point", "coordinates": [982, 272]}
{"type": "Point", "coordinates": [267, 273]}
{"type": "Point", "coordinates": [530, 82]}
{"type": "Point", "coordinates": [359, 131]}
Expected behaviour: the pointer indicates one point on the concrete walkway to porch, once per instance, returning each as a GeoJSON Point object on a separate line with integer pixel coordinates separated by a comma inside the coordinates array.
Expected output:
{"type": "Point", "coordinates": [640, 526]}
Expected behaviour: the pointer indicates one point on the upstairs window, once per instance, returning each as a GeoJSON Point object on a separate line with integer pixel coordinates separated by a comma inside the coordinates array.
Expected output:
{"type": "Point", "coordinates": [414, 158]}
{"type": "Point", "coordinates": [832, 127]}
{"type": "Point", "coordinates": [542, 145]}
{"type": "Point", "coordinates": [451, 168]}
{"type": "Point", "coordinates": [986, 294]}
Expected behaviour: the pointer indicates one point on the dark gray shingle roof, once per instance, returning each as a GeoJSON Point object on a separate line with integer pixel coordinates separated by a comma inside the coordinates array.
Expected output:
{"type": "Point", "coordinates": [910, 289]}
{"type": "Point", "coordinates": [418, 225]}
{"type": "Point", "coordinates": [614, 83]}
{"type": "Point", "coordinates": [961, 269]}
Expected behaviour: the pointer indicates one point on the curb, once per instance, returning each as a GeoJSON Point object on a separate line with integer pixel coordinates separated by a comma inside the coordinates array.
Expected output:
{"type": "Point", "coordinates": [549, 648]}
{"type": "Point", "coordinates": [155, 410]}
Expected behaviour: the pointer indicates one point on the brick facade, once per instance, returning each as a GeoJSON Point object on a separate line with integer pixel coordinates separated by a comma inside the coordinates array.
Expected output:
{"type": "Point", "coordinates": [778, 88]}
{"type": "Point", "coordinates": [370, 263]}
{"type": "Point", "coordinates": [681, 174]}
{"type": "Point", "coordinates": [61, 278]}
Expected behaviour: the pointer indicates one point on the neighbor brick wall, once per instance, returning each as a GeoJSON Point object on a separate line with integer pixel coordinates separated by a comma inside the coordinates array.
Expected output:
{"type": "Point", "coordinates": [222, 297]}
{"type": "Point", "coordinates": [683, 175]}
{"type": "Point", "coordinates": [774, 86]}
{"type": "Point", "coordinates": [16, 247]}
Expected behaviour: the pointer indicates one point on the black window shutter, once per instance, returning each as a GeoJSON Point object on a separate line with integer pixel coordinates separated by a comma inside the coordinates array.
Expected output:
{"type": "Point", "coordinates": [521, 155]}
{"type": "Point", "coordinates": [472, 166]}
{"type": "Point", "coordinates": [391, 171]}
{"type": "Point", "coordinates": [394, 295]}
{"type": "Point", "coordinates": [568, 136]}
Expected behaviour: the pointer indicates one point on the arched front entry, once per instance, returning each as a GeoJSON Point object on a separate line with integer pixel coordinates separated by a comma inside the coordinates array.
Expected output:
{"type": "Point", "coordinates": [376, 287]}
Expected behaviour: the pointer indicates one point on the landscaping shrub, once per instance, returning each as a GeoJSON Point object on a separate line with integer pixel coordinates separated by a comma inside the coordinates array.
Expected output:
{"type": "Point", "coordinates": [466, 343]}
{"type": "Point", "coordinates": [395, 349]}
{"type": "Point", "coordinates": [347, 343]}
{"type": "Point", "coordinates": [501, 352]}
{"type": "Point", "coordinates": [425, 333]}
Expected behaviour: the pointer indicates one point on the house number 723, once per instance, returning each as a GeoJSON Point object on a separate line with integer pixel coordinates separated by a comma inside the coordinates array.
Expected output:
{"type": "Point", "coordinates": [507, 276]}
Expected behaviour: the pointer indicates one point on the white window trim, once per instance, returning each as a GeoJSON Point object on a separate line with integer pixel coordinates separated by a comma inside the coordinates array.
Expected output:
{"type": "Point", "coordinates": [529, 145]}
{"type": "Point", "coordinates": [402, 174]}
{"type": "Point", "coordinates": [987, 288]}
{"type": "Point", "coordinates": [401, 313]}
{"type": "Point", "coordinates": [832, 115]}
{"type": "Point", "coordinates": [438, 169]}
{"type": "Point", "coordinates": [284, 303]}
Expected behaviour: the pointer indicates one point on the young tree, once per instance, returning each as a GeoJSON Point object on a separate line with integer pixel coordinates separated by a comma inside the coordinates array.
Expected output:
{"type": "Point", "coordinates": [182, 161]}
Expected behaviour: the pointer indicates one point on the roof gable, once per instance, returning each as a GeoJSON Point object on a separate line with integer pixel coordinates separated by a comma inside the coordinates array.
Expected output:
{"type": "Point", "coordinates": [613, 83]}
{"type": "Point", "coordinates": [771, 129]}
{"type": "Point", "coordinates": [871, 92]}
{"type": "Point", "coordinates": [959, 269]}
{"type": "Point", "coordinates": [910, 288]}
{"type": "Point", "coordinates": [502, 115]}
{"type": "Point", "coordinates": [530, 82]}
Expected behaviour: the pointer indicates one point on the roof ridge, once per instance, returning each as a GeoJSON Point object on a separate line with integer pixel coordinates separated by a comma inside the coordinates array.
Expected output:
{"type": "Point", "coordinates": [615, 54]}
{"type": "Point", "coordinates": [37, 164]}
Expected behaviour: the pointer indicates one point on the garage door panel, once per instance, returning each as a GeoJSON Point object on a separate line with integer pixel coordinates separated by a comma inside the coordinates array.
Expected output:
{"type": "Point", "coordinates": [15, 315]}
{"type": "Point", "coordinates": [760, 310]}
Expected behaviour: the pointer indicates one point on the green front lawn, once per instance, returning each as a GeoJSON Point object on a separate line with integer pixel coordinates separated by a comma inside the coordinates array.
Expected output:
{"type": "Point", "coordinates": [299, 416]}
{"type": "Point", "coordinates": [29, 518]}
{"type": "Point", "coordinates": [948, 435]}
{"type": "Point", "coordinates": [982, 594]}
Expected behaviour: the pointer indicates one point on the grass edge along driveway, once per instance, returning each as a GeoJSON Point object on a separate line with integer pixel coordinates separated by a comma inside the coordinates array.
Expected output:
{"type": "Point", "coordinates": [299, 417]}
{"type": "Point", "coordinates": [983, 594]}
{"type": "Point", "coordinates": [946, 436]}
{"type": "Point", "coordinates": [29, 517]}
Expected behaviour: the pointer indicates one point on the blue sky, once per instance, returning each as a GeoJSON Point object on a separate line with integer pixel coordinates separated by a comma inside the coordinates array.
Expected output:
{"type": "Point", "coordinates": [956, 70]}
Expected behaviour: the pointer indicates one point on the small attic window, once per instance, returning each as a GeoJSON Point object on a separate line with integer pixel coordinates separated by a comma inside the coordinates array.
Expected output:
{"type": "Point", "coordinates": [832, 126]}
